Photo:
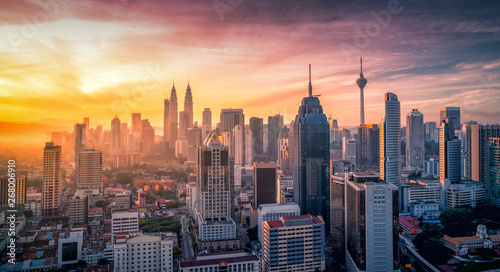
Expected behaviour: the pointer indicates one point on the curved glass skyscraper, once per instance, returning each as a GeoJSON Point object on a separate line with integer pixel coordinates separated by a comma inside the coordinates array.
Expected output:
{"type": "Point", "coordinates": [311, 149]}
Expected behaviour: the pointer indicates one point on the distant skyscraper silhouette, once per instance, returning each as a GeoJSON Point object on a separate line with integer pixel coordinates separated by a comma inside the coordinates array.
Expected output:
{"type": "Point", "coordinates": [451, 112]}
{"type": "Point", "coordinates": [361, 81]}
{"type": "Point", "coordinates": [80, 133]}
{"type": "Point", "coordinates": [206, 125]}
{"type": "Point", "coordinates": [415, 139]}
{"type": "Point", "coordinates": [115, 136]}
{"type": "Point", "coordinates": [173, 118]}
{"type": "Point", "coordinates": [274, 123]}
{"type": "Point", "coordinates": [311, 158]}
{"type": "Point", "coordinates": [188, 106]}
{"type": "Point", "coordinates": [166, 120]}
{"type": "Point", "coordinates": [390, 140]}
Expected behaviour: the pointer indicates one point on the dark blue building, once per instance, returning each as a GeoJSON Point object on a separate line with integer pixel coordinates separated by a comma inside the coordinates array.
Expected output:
{"type": "Point", "coordinates": [311, 155]}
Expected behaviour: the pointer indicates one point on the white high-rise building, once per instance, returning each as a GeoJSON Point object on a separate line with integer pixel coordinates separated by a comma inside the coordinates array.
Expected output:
{"type": "Point", "coordinates": [191, 197]}
{"type": "Point", "coordinates": [249, 146]}
{"type": "Point", "coordinates": [371, 220]}
{"type": "Point", "coordinates": [449, 152]}
{"type": "Point", "coordinates": [415, 139]}
{"type": "Point", "coordinates": [271, 212]}
{"type": "Point", "coordinates": [124, 221]}
{"type": "Point", "coordinates": [144, 253]}
{"type": "Point", "coordinates": [238, 140]}
{"type": "Point", "coordinates": [390, 140]}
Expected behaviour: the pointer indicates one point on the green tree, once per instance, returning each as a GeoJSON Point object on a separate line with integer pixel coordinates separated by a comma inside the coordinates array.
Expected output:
{"type": "Point", "coordinates": [177, 251]}
{"type": "Point", "coordinates": [457, 221]}
{"type": "Point", "coordinates": [101, 203]}
{"type": "Point", "coordinates": [123, 178]}
{"type": "Point", "coordinates": [28, 213]}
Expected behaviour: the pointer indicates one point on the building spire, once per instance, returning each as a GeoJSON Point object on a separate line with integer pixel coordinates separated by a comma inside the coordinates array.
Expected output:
{"type": "Point", "coordinates": [361, 63]}
{"type": "Point", "coordinates": [310, 85]}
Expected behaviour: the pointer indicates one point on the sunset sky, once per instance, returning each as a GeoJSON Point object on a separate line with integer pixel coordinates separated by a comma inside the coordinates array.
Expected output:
{"type": "Point", "coordinates": [63, 60]}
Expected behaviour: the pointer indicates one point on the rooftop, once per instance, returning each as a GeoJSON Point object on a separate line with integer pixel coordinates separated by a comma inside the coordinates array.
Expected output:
{"type": "Point", "coordinates": [219, 261]}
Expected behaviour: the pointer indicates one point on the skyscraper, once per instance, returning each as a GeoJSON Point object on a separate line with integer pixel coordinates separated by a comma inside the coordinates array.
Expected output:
{"type": "Point", "coordinates": [80, 132]}
{"type": "Point", "coordinates": [274, 124]}
{"type": "Point", "coordinates": [183, 124]}
{"type": "Point", "coordinates": [206, 126]}
{"type": "Point", "coordinates": [238, 144]}
{"type": "Point", "coordinates": [430, 132]}
{"type": "Point", "coordinates": [229, 118]}
{"type": "Point", "coordinates": [115, 136]}
{"type": "Point", "coordinates": [188, 106]}
{"type": "Point", "coordinates": [265, 183]}
{"type": "Point", "coordinates": [194, 140]}
{"type": "Point", "coordinates": [173, 118]}
{"type": "Point", "coordinates": [451, 113]}
{"type": "Point", "coordinates": [477, 141]}
{"type": "Point", "coordinates": [249, 156]}
{"type": "Point", "coordinates": [415, 142]}
{"type": "Point", "coordinates": [147, 137]}
{"type": "Point", "coordinates": [494, 169]}
{"type": "Point", "coordinates": [390, 140]}
{"type": "Point", "coordinates": [166, 120]}
{"type": "Point", "coordinates": [367, 151]}
{"type": "Point", "coordinates": [371, 216]}
{"type": "Point", "coordinates": [90, 170]}
{"type": "Point", "coordinates": [449, 152]}
{"type": "Point", "coordinates": [257, 126]}
{"type": "Point", "coordinates": [51, 190]}
{"type": "Point", "coordinates": [136, 131]}
{"type": "Point", "coordinates": [20, 190]}
{"type": "Point", "coordinates": [213, 185]}
{"type": "Point", "coordinates": [311, 148]}
{"type": "Point", "coordinates": [361, 81]}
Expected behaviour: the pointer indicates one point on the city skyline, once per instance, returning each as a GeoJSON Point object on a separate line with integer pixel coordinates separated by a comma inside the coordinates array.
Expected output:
{"type": "Point", "coordinates": [245, 60]}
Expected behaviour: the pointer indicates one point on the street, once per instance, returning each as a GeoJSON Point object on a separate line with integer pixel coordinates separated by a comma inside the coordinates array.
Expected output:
{"type": "Point", "coordinates": [186, 239]}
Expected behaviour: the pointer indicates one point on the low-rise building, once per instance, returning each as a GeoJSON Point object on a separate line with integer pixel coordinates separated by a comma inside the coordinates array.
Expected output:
{"type": "Point", "coordinates": [144, 253]}
{"type": "Point", "coordinates": [465, 193]}
{"type": "Point", "coordinates": [426, 210]}
{"type": "Point", "coordinates": [226, 261]}
{"type": "Point", "coordinates": [271, 212]}
{"type": "Point", "coordinates": [463, 245]}
{"type": "Point", "coordinates": [409, 225]}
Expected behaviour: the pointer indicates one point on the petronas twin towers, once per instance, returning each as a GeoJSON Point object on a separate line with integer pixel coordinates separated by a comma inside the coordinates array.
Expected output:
{"type": "Point", "coordinates": [175, 124]}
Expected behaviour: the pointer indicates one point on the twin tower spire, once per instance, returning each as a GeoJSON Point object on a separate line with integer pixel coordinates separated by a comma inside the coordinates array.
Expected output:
{"type": "Point", "coordinates": [175, 123]}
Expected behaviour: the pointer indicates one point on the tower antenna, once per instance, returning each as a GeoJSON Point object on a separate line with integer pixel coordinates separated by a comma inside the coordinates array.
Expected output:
{"type": "Point", "coordinates": [310, 85]}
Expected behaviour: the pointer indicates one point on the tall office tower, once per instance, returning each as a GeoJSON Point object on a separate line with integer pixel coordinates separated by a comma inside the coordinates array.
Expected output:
{"type": "Point", "coordinates": [50, 179]}
{"type": "Point", "coordinates": [265, 191]}
{"type": "Point", "coordinates": [183, 124]}
{"type": "Point", "coordinates": [86, 121]}
{"type": "Point", "coordinates": [371, 216]}
{"type": "Point", "coordinates": [257, 127]}
{"type": "Point", "coordinates": [303, 235]}
{"type": "Point", "coordinates": [337, 208]}
{"type": "Point", "coordinates": [415, 142]}
{"type": "Point", "coordinates": [367, 147]}
{"type": "Point", "coordinates": [274, 124]}
{"type": "Point", "coordinates": [430, 131]}
{"type": "Point", "coordinates": [311, 148]}
{"type": "Point", "coordinates": [206, 125]}
{"type": "Point", "coordinates": [155, 251]}
{"type": "Point", "coordinates": [147, 137]}
{"type": "Point", "coordinates": [229, 118]}
{"type": "Point", "coordinates": [98, 135]}
{"type": "Point", "coordinates": [226, 140]}
{"type": "Point", "coordinates": [20, 190]}
{"type": "Point", "coordinates": [349, 149]}
{"type": "Point", "coordinates": [194, 140]}
{"type": "Point", "coordinates": [136, 123]}
{"type": "Point", "coordinates": [361, 81]}
{"type": "Point", "coordinates": [238, 145]}
{"type": "Point", "coordinates": [213, 185]}
{"type": "Point", "coordinates": [477, 141]}
{"type": "Point", "coordinates": [90, 170]}
{"type": "Point", "coordinates": [284, 188]}
{"type": "Point", "coordinates": [80, 132]}
{"type": "Point", "coordinates": [451, 112]}
{"type": "Point", "coordinates": [265, 138]}
{"type": "Point", "coordinates": [334, 132]}
{"type": "Point", "coordinates": [494, 169]}
{"type": "Point", "coordinates": [249, 157]}
{"type": "Point", "coordinates": [449, 152]}
{"type": "Point", "coordinates": [390, 139]}
{"type": "Point", "coordinates": [123, 134]}
{"type": "Point", "coordinates": [115, 136]}
{"type": "Point", "coordinates": [166, 120]}
{"type": "Point", "coordinates": [188, 106]}
{"type": "Point", "coordinates": [173, 118]}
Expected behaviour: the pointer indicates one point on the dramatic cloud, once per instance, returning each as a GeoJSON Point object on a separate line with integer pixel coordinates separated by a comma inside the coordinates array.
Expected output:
{"type": "Point", "coordinates": [101, 58]}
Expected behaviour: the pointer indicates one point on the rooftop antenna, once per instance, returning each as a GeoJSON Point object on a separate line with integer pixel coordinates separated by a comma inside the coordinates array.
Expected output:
{"type": "Point", "coordinates": [310, 86]}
